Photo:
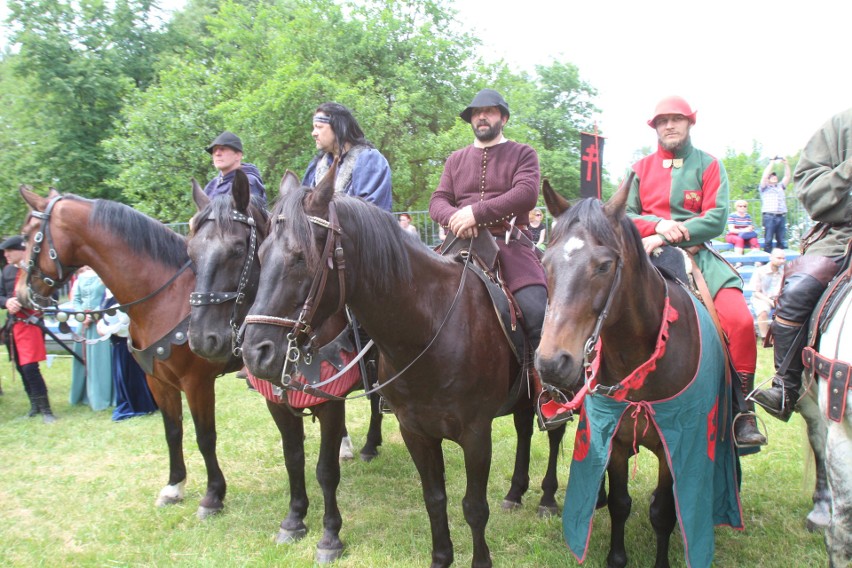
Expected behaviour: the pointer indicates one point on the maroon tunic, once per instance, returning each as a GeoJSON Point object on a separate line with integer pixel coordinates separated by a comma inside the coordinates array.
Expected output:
{"type": "Point", "coordinates": [499, 182]}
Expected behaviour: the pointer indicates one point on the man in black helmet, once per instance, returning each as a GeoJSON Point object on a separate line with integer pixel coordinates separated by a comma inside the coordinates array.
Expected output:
{"type": "Point", "coordinates": [491, 186]}
{"type": "Point", "coordinates": [227, 153]}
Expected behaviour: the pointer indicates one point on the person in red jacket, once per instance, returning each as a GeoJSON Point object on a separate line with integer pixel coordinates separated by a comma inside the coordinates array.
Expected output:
{"type": "Point", "coordinates": [27, 341]}
{"type": "Point", "coordinates": [679, 197]}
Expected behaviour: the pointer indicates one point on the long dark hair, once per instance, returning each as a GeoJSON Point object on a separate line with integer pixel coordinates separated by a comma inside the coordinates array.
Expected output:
{"type": "Point", "coordinates": [344, 125]}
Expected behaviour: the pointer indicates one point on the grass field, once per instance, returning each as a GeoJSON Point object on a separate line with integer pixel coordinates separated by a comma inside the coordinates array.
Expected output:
{"type": "Point", "coordinates": [81, 492]}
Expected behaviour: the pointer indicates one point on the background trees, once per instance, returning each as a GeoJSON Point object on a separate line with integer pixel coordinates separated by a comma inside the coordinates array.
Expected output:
{"type": "Point", "coordinates": [108, 99]}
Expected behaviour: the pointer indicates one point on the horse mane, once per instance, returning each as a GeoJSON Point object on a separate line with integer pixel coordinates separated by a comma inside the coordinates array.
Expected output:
{"type": "Point", "coordinates": [378, 238]}
{"type": "Point", "coordinates": [589, 213]}
{"type": "Point", "coordinates": [141, 233]}
{"type": "Point", "coordinates": [219, 209]}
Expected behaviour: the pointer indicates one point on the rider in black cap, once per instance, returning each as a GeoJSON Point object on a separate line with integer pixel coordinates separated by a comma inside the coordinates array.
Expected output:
{"type": "Point", "coordinates": [227, 153]}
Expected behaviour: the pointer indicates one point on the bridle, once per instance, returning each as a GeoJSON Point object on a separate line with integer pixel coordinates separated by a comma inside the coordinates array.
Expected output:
{"type": "Point", "coordinates": [63, 273]}
{"type": "Point", "coordinates": [332, 258]}
{"type": "Point", "coordinates": [199, 299]}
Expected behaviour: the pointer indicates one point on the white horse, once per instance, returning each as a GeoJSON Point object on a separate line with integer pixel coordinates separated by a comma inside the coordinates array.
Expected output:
{"type": "Point", "coordinates": [835, 350]}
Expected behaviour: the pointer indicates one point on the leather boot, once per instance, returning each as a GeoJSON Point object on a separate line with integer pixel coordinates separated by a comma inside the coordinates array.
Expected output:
{"type": "Point", "coordinates": [34, 409]}
{"type": "Point", "coordinates": [782, 397]}
{"type": "Point", "coordinates": [746, 433]}
{"type": "Point", "coordinates": [44, 407]}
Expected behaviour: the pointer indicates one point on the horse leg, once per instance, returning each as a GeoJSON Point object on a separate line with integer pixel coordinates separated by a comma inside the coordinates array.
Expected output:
{"type": "Point", "coordinates": [331, 416]}
{"type": "Point", "coordinates": [838, 536]}
{"type": "Point", "coordinates": [428, 458]}
{"type": "Point", "coordinates": [820, 515]}
{"type": "Point", "coordinates": [169, 402]}
{"type": "Point", "coordinates": [476, 444]}
{"type": "Point", "coordinates": [523, 419]}
{"type": "Point", "coordinates": [619, 503]}
{"type": "Point", "coordinates": [374, 434]}
{"type": "Point", "coordinates": [201, 399]}
{"type": "Point", "coordinates": [547, 506]}
{"type": "Point", "coordinates": [662, 511]}
{"type": "Point", "coordinates": [292, 432]}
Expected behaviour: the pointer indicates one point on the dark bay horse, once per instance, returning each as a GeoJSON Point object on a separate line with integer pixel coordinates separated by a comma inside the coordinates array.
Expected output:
{"type": "Point", "coordinates": [223, 240]}
{"type": "Point", "coordinates": [445, 367]}
{"type": "Point", "coordinates": [650, 363]}
{"type": "Point", "coordinates": [146, 267]}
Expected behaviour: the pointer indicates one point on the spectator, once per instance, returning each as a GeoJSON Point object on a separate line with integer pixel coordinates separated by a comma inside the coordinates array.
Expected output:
{"type": "Point", "coordinates": [765, 286]}
{"type": "Point", "coordinates": [27, 336]}
{"type": "Point", "coordinates": [537, 228]}
{"type": "Point", "coordinates": [132, 395]}
{"type": "Point", "coordinates": [405, 223]}
{"type": "Point", "coordinates": [741, 229]}
{"type": "Point", "coordinates": [773, 206]}
{"type": "Point", "coordinates": [91, 383]}
{"type": "Point", "coordinates": [227, 153]}
{"type": "Point", "coordinates": [679, 197]}
{"type": "Point", "coordinates": [823, 186]}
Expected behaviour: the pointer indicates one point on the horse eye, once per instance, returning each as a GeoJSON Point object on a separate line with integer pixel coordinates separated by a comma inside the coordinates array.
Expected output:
{"type": "Point", "coordinates": [604, 267]}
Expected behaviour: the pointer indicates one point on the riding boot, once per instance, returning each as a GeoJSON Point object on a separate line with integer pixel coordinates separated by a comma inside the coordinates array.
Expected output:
{"type": "Point", "coordinates": [746, 433]}
{"type": "Point", "coordinates": [44, 407]}
{"type": "Point", "coordinates": [782, 397]}
{"type": "Point", "coordinates": [34, 409]}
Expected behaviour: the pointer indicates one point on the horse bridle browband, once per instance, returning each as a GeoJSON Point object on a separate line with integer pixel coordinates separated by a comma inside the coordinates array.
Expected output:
{"type": "Point", "coordinates": [63, 273]}
{"type": "Point", "coordinates": [198, 299]}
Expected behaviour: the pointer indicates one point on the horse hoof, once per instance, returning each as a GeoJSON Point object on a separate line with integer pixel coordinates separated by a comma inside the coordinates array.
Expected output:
{"type": "Point", "coordinates": [328, 555]}
{"type": "Point", "coordinates": [346, 449]}
{"type": "Point", "coordinates": [367, 456]}
{"type": "Point", "coordinates": [286, 536]}
{"type": "Point", "coordinates": [816, 523]}
{"type": "Point", "coordinates": [205, 512]}
{"type": "Point", "coordinates": [546, 512]}
{"type": "Point", "coordinates": [171, 494]}
{"type": "Point", "coordinates": [508, 505]}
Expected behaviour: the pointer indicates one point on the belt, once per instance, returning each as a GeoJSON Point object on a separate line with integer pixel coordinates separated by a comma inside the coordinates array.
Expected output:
{"type": "Point", "coordinates": [775, 214]}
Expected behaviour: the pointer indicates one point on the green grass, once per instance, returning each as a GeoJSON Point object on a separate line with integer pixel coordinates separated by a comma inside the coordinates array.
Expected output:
{"type": "Point", "coordinates": [81, 492]}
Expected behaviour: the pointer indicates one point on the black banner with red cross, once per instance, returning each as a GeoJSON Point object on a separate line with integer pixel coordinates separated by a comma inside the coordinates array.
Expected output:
{"type": "Point", "coordinates": [591, 160]}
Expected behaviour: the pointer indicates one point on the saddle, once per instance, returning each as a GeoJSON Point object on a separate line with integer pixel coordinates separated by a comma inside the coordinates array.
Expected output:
{"type": "Point", "coordinates": [482, 252]}
{"type": "Point", "coordinates": [837, 373]}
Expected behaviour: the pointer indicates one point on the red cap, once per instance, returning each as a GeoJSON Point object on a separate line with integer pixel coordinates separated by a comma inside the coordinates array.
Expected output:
{"type": "Point", "coordinates": [673, 105]}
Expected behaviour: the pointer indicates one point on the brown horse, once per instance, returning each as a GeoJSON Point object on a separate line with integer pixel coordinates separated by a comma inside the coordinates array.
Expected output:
{"type": "Point", "coordinates": [223, 240]}
{"type": "Point", "coordinates": [651, 366]}
{"type": "Point", "coordinates": [145, 265]}
{"type": "Point", "coordinates": [445, 367]}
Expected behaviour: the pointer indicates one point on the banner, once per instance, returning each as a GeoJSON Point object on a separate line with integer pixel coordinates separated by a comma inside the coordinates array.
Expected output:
{"type": "Point", "coordinates": [591, 160]}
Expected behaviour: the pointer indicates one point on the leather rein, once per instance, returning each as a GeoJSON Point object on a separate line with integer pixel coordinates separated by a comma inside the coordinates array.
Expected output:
{"type": "Point", "coordinates": [199, 299]}
{"type": "Point", "coordinates": [64, 273]}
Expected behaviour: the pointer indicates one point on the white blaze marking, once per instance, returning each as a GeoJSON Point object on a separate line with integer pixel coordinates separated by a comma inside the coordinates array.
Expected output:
{"type": "Point", "coordinates": [573, 244]}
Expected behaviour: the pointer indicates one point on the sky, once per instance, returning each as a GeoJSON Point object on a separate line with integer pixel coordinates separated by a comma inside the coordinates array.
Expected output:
{"type": "Point", "coordinates": [757, 72]}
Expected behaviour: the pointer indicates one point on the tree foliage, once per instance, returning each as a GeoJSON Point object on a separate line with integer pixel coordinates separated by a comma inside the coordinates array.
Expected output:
{"type": "Point", "coordinates": [126, 106]}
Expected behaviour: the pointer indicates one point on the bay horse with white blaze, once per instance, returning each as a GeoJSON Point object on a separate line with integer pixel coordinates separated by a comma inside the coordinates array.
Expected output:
{"type": "Point", "coordinates": [445, 367]}
{"type": "Point", "coordinates": [648, 366]}
{"type": "Point", "coordinates": [146, 267]}
{"type": "Point", "coordinates": [224, 236]}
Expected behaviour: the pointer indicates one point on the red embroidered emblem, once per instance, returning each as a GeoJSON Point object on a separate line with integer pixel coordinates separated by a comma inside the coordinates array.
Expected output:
{"type": "Point", "coordinates": [692, 200]}
{"type": "Point", "coordinates": [711, 430]}
{"type": "Point", "coordinates": [583, 437]}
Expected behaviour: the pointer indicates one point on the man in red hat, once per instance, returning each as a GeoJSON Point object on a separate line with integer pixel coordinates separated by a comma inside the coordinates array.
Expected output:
{"type": "Point", "coordinates": [679, 197]}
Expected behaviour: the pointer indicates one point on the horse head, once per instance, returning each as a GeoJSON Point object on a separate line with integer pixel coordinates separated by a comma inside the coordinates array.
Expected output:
{"type": "Point", "coordinates": [49, 264]}
{"type": "Point", "coordinates": [295, 280]}
{"type": "Point", "coordinates": [224, 237]}
{"type": "Point", "coordinates": [583, 262]}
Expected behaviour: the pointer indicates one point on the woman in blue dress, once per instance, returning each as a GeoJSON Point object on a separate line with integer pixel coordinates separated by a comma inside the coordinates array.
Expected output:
{"type": "Point", "coordinates": [90, 383]}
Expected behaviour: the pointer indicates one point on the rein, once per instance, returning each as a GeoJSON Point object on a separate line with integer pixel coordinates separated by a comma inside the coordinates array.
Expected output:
{"type": "Point", "coordinates": [199, 299]}
{"type": "Point", "coordinates": [62, 316]}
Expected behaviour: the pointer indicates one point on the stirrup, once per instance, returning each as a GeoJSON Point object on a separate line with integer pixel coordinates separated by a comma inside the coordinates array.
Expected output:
{"type": "Point", "coordinates": [547, 411]}
{"type": "Point", "coordinates": [788, 406]}
{"type": "Point", "coordinates": [384, 407]}
{"type": "Point", "coordinates": [758, 423]}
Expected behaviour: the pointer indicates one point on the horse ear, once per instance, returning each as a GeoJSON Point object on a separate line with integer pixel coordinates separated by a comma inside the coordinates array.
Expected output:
{"type": "Point", "coordinates": [617, 204]}
{"type": "Point", "coordinates": [52, 192]}
{"type": "Point", "coordinates": [240, 191]}
{"type": "Point", "coordinates": [34, 200]}
{"type": "Point", "coordinates": [324, 190]}
{"type": "Point", "coordinates": [556, 204]}
{"type": "Point", "coordinates": [198, 196]}
{"type": "Point", "coordinates": [289, 182]}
